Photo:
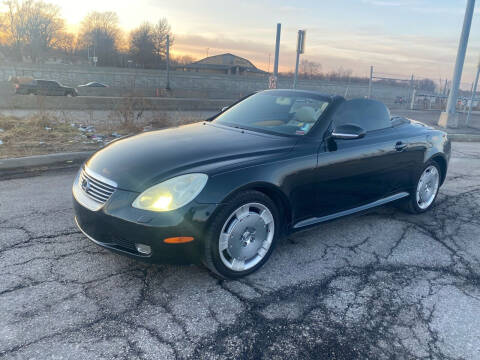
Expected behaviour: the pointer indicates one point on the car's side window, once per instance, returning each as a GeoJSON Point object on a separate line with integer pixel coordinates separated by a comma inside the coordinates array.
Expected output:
{"type": "Point", "coordinates": [370, 115]}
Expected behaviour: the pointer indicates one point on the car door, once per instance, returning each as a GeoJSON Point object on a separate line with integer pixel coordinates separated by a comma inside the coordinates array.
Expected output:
{"type": "Point", "coordinates": [57, 90]}
{"type": "Point", "coordinates": [355, 172]}
{"type": "Point", "coordinates": [42, 87]}
{"type": "Point", "coordinates": [300, 179]}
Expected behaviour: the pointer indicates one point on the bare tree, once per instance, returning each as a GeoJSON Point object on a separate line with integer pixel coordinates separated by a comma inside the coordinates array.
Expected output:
{"type": "Point", "coordinates": [426, 85]}
{"type": "Point", "coordinates": [16, 26]}
{"type": "Point", "coordinates": [66, 43]}
{"type": "Point", "coordinates": [142, 45]}
{"type": "Point", "coordinates": [32, 26]}
{"type": "Point", "coordinates": [183, 60]}
{"type": "Point", "coordinates": [100, 32]}
{"type": "Point", "coordinates": [148, 42]}
{"type": "Point", "coordinates": [3, 27]}
{"type": "Point", "coordinates": [160, 32]}
{"type": "Point", "coordinates": [43, 25]}
{"type": "Point", "coordinates": [309, 69]}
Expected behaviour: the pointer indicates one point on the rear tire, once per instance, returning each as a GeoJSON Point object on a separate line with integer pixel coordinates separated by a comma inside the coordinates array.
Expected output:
{"type": "Point", "coordinates": [242, 235]}
{"type": "Point", "coordinates": [425, 192]}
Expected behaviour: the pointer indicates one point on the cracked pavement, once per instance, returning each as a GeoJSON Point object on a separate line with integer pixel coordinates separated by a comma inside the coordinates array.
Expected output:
{"type": "Point", "coordinates": [385, 285]}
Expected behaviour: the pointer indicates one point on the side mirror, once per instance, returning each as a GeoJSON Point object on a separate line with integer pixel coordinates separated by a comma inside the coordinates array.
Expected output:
{"type": "Point", "coordinates": [348, 132]}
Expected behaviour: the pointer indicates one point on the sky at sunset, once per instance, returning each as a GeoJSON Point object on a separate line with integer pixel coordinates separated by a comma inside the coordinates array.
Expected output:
{"type": "Point", "coordinates": [396, 36]}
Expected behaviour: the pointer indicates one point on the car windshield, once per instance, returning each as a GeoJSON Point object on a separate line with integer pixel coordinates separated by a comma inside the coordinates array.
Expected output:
{"type": "Point", "coordinates": [284, 112]}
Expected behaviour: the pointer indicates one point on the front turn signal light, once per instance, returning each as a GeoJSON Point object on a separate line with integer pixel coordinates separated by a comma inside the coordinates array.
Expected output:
{"type": "Point", "coordinates": [178, 240]}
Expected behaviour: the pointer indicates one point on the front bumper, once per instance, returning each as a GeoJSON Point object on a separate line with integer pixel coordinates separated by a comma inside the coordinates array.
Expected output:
{"type": "Point", "coordinates": [118, 226]}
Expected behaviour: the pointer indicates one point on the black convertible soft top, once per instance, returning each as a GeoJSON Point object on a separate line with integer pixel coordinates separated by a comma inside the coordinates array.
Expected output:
{"type": "Point", "coordinates": [371, 114]}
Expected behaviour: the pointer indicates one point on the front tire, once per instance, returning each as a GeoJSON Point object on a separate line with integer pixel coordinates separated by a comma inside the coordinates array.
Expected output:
{"type": "Point", "coordinates": [242, 235]}
{"type": "Point", "coordinates": [426, 189]}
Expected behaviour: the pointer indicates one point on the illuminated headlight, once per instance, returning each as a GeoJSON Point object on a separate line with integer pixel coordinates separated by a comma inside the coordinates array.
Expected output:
{"type": "Point", "coordinates": [171, 194]}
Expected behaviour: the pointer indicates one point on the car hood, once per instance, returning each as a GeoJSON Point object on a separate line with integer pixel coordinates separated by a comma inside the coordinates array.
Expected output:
{"type": "Point", "coordinates": [138, 162]}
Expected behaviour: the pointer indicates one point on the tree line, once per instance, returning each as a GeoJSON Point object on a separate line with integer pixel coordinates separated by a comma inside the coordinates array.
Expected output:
{"type": "Point", "coordinates": [34, 30]}
{"type": "Point", "coordinates": [312, 70]}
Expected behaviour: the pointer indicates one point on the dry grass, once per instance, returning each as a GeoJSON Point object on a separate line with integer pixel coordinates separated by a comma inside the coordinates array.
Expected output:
{"type": "Point", "coordinates": [44, 133]}
{"type": "Point", "coordinates": [39, 134]}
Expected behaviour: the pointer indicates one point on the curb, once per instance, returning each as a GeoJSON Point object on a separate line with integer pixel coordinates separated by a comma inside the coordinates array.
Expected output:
{"type": "Point", "coordinates": [68, 159]}
{"type": "Point", "coordinates": [38, 161]}
{"type": "Point", "coordinates": [464, 137]}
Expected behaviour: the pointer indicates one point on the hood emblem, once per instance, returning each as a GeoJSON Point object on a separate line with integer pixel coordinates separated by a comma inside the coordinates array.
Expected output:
{"type": "Point", "coordinates": [86, 185]}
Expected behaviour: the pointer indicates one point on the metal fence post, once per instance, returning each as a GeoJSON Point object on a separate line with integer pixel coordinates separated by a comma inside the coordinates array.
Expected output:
{"type": "Point", "coordinates": [412, 103]}
{"type": "Point", "coordinates": [369, 96]}
{"type": "Point", "coordinates": [474, 90]}
{"type": "Point", "coordinates": [410, 93]}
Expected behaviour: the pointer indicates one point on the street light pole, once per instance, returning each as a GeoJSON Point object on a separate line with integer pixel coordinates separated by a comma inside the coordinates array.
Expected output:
{"type": "Point", "coordinates": [449, 117]}
{"type": "Point", "coordinates": [473, 95]}
{"type": "Point", "coordinates": [277, 50]}
{"type": "Point", "coordinates": [300, 50]}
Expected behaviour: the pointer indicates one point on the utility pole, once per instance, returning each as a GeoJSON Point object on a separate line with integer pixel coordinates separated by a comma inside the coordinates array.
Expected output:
{"type": "Point", "coordinates": [274, 78]}
{"type": "Point", "coordinates": [449, 118]}
{"type": "Point", "coordinates": [168, 63]}
{"type": "Point", "coordinates": [369, 96]}
{"type": "Point", "coordinates": [474, 90]}
{"type": "Point", "coordinates": [300, 50]}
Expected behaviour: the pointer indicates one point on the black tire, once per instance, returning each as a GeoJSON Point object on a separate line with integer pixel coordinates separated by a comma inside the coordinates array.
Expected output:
{"type": "Point", "coordinates": [410, 205]}
{"type": "Point", "coordinates": [211, 258]}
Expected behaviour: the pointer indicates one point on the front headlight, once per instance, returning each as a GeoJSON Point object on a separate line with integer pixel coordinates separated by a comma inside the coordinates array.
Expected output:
{"type": "Point", "coordinates": [171, 194]}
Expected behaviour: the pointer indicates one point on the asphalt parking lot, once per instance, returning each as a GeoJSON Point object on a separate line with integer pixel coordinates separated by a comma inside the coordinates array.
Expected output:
{"type": "Point", "coordinates": [385, 285]}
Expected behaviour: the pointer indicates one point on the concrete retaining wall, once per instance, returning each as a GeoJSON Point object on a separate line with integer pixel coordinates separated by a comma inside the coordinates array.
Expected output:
{"type": "Point", "coordinates": [24, 102]}
{"type": "Point", "coordinates": [183, 84]}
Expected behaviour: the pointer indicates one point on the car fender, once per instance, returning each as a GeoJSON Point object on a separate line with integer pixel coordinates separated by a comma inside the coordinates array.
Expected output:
{"type": "Point", "coordinates": [272, 190]}
{"type": "Point", "coordinates": [439, 150]}
{"type": "Point", "coordinates": [223, 186]}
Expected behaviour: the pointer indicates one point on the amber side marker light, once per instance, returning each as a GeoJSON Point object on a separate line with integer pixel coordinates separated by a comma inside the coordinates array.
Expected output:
{"type": "Point", "coordinates": [178, 240]}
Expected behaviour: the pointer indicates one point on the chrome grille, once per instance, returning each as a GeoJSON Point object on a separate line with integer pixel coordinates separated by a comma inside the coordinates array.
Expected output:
{"type": "Point", "coordinates": [95, 189]}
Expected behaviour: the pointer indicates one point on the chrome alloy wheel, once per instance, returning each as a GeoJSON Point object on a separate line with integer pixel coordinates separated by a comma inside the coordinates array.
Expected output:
{"type": "Point", "coordinates": [246, 237]}
{"type": "Point", "coordinates": [427, 187]}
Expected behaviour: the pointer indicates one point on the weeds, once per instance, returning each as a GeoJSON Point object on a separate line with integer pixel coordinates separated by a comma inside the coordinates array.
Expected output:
{"type": "Point", "coordinates": [39, 134]}
{"type": "Point", "coordinates": [44, 132]}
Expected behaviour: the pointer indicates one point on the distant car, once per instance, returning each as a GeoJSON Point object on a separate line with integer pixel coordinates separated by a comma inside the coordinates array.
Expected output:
{"type": "Point", "coordinates": [224, 191]}
{"type": "Point", "coordinates": [93, 84]}
{"type": "Point", "coordinates": [44, 87]}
